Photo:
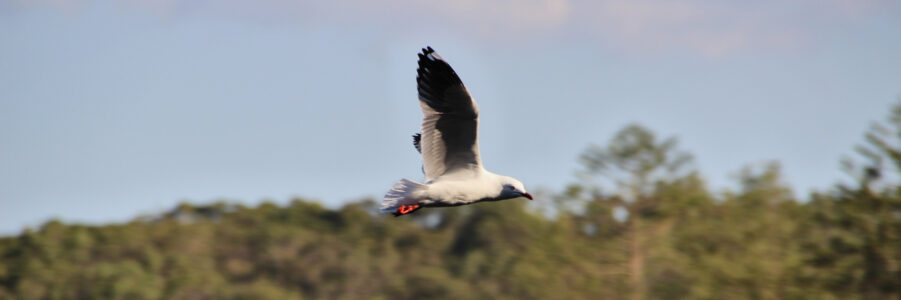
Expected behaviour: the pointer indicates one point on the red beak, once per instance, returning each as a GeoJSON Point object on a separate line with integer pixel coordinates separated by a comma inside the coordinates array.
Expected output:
{"type": "Point", "coordinates": [527, 195]}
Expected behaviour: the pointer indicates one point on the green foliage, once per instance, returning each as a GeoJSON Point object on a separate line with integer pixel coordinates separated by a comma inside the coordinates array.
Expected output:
{"type": "Point", "coordinates": [854, 249]}
{"type": "Point", "coordinates": [640, 224]}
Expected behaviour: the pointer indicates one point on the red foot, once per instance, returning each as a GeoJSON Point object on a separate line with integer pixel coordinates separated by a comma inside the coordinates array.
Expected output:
{"type": "Point", "coordinates": [405, 209]}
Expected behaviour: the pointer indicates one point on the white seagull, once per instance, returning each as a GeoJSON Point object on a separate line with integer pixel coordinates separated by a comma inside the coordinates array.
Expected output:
{"type": "Point", "coordinates": [449, 146]}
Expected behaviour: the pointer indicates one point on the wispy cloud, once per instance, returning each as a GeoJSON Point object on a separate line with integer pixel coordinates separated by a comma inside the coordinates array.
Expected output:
{"type": "Point", "coordinates": [710, 28]}
{"type": "Point", "coordinates": [717, 28]}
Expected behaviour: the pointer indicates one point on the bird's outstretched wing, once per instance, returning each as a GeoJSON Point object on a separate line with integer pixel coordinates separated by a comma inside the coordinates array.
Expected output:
{"type": "Point", "coordinates": [450, 118]}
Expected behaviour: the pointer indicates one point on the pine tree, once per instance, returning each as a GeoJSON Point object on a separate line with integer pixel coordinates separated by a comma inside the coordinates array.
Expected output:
{"type": "Point", "coordinates": [639, 168]}
{"type": "Point", "coordinates": [855, 235]}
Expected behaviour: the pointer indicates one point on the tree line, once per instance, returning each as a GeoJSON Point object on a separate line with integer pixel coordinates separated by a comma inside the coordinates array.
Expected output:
{"type": "Point", "coordinates": [638, 223]}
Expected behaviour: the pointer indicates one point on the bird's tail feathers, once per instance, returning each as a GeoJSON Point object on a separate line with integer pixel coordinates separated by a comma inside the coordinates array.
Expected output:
{"type": "Point", "coordinates": [402, 193]}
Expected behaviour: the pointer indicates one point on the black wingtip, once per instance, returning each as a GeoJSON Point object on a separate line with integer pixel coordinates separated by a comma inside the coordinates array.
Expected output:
{"type": "Point", "coordinates": [433, 77]}
{"type": "Point", "coordinates": [417, 137]}
{"type": "Point", "coordinates": [426, 51]}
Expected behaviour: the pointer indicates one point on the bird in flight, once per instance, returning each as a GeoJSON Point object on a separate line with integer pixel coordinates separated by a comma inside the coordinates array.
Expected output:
{"type": "Point", "coordinates": [449, 145]}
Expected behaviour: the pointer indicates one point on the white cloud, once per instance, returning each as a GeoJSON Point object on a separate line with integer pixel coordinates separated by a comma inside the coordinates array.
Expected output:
{"type": "Point", "coordinates": [710, 28]}
{"type": "Point", "coordinates": [717, 28]}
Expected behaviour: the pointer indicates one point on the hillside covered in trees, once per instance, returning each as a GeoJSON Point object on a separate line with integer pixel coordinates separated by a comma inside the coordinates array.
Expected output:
{"type": "Point", "coordinates": [639, 224]}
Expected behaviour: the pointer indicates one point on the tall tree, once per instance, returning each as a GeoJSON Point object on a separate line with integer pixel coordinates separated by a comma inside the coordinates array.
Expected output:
{"type": "Point", "coordinates": [637, 166]}
{"type": "Point", "coordinates": [855, 240]}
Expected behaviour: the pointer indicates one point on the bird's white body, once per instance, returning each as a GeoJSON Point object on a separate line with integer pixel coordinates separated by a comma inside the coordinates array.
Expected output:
{"type": "Point", "coordinates": [462, 188]}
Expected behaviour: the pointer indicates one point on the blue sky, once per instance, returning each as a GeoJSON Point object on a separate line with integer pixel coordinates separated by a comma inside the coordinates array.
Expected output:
{"type": "Point", "coordinates": [111, 109]}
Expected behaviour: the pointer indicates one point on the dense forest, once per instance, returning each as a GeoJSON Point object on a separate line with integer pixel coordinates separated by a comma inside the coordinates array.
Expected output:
{"type": "Point", "coordinates": [638, 223]}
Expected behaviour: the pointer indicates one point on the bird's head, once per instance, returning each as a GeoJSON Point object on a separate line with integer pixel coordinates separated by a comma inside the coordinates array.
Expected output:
{"type": "Point", "coordinates": [512, 188]}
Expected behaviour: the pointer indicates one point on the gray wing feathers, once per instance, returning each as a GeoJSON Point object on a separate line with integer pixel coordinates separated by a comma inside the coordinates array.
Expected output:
{"type": "Point", "coordinates": [450, 118]}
